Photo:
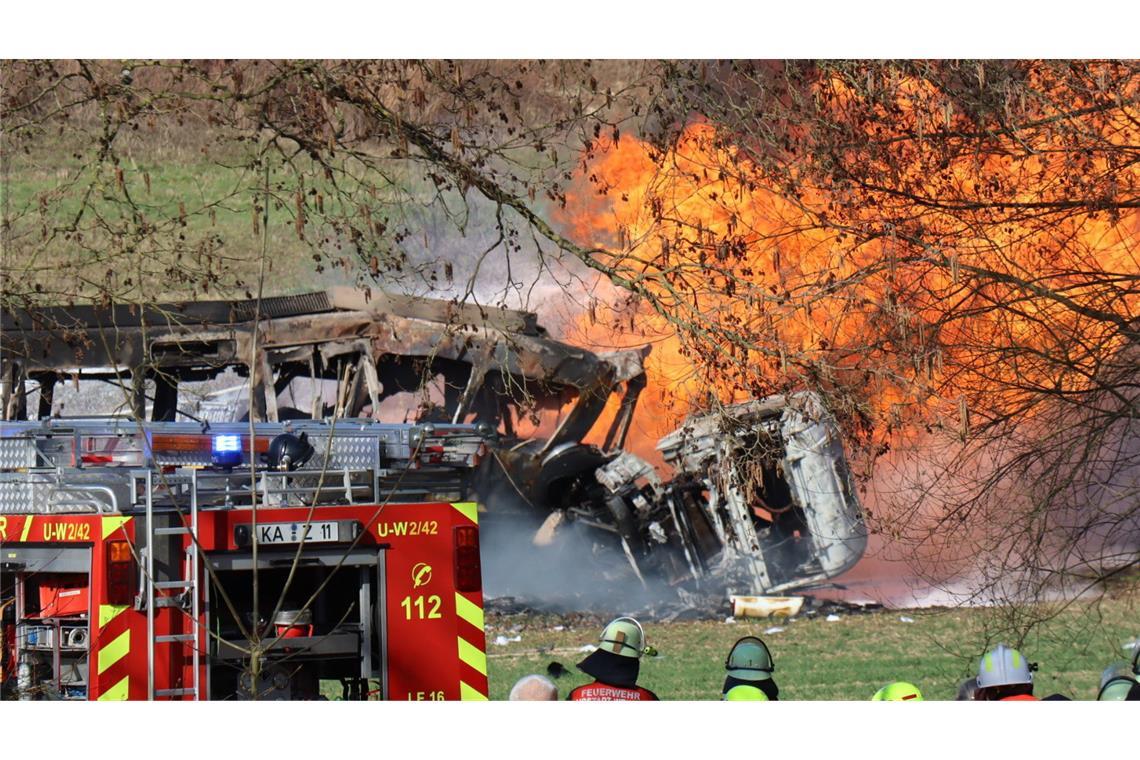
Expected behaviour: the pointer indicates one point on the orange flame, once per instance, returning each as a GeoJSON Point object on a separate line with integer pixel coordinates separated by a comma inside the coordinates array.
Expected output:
{"type": "Point", "coordinates": [1007, 313]}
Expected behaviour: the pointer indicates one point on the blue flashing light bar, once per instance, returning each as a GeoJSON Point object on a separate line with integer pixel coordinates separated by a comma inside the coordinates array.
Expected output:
{"type": "Point", "coordinates": [224, 444]}
{"type": "Point", "coordinates": [226, 451]}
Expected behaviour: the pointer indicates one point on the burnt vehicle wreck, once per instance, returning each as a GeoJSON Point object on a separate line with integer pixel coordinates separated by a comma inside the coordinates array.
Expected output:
{"type": "Point", "coordinates": [760, 499]}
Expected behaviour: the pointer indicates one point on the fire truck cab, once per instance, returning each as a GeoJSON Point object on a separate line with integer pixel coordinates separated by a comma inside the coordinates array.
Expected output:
{"type": "Point", "coordinates": [309, 560]}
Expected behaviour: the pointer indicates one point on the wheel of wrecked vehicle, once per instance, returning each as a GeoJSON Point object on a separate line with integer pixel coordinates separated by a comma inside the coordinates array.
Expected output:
{"type": "Point", "coordinates": [566, 476]}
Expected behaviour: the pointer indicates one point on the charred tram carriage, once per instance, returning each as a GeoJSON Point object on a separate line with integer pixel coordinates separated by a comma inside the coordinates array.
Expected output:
{"type": "Point", "coordinates": [760, 500]}
{"type": "Point", "coordinates": [156, 561]}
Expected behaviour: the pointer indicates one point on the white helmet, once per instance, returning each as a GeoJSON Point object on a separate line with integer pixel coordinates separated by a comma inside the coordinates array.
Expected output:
{"type": "Point", "coordinates": [1004, 666]}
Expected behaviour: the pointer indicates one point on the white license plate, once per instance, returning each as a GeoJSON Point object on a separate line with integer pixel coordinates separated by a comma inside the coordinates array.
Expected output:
{"type": "Point", "coordinates": [292, 533]}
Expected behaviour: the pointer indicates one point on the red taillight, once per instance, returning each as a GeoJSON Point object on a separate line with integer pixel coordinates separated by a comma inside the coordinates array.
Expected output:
{"type": "Point", "coordinates": [468, 572]}
{"type": "Point", "coordinates": [120, 573]}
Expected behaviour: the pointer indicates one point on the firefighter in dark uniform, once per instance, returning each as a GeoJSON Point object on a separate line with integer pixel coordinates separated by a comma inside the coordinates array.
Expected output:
{"type": "Point", "coordinates": [615, 665]}
{"type": "Point", "coordinates": [749, 663]}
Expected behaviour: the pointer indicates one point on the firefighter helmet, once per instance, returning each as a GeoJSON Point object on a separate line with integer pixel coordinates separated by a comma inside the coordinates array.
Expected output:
{"type": "Point", "coordinates": [1004, 666]}
{"type": "Point", "coordinates": [745, 693]}
{"type": "Point", "coordinates": [1117, 684]}
{"type": "Point", "coordinates": [749, 660]}
{"type": "Point", "coordinates": [624, 636]}
{"type": "Point", "coordinates": [899, 691]}
{"type": "Point", "coordinates": [288, 451]}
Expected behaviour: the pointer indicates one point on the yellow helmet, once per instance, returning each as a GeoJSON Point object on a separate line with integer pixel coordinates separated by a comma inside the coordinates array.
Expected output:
{"type": "Point", "coordinates": [744, 693]}
{"type": "Point", "coordinates": [624, 636]}
{"type": "Point", "coordinates": [899, 691]}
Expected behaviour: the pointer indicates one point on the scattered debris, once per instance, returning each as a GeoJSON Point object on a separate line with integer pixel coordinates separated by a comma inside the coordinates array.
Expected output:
{"type": "Point", "coordinates": [816, 606]}
{"type": "Point", "coordinates": [556, 670]}
{"type": "Point", "coordinates": [587, 648]}
{"type": "Point", "coordinates": [502, 641]}
{"type": "Point", "coordinates": [905, 619]}
{"type": "Point", "coordinates": [730, 619]}
{"type": "Point", "coordinates": [832, 618]}
{"type": "Point", "coordinates": [773, 629]}
{"type": "Point", "coordinates": [686, 606]}
{"type": "Point", "coordinates": [522, 614]}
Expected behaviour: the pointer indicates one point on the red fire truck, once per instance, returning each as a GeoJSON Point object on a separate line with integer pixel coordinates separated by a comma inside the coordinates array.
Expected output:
{"type": "Point", "coordinates": [182, 561]}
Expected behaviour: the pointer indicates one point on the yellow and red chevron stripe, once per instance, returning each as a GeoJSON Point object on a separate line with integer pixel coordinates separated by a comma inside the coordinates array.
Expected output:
{"type": "Point", "coordinates": [471, 639]}
{"type": "Point", "coordinates": [472, 648]}
{"type": "Point", "coordinates": [111, 646]}
{"type": "Point", "coordinates": [109, 670]}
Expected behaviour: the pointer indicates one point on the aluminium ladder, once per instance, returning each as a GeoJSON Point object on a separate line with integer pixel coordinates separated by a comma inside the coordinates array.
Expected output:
{"type": "Point", "coordinates": [189, 586]}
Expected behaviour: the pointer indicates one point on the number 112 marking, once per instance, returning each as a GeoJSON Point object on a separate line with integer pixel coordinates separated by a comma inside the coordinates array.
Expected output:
{"type": "Point", "coordinates": [428, 610]}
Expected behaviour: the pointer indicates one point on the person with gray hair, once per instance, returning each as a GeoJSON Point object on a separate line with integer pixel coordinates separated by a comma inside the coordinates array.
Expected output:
{"type": "Point", "coordinates": [533, 688]}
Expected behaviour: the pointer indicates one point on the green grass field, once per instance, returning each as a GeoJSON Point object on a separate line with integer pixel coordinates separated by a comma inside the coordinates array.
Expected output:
{"type": "Point", "coordinates": [167, 174]}
{"type": "Point", "coordinates": [195, 223]}
{"type": "Point", "coordinates": [848, 659]}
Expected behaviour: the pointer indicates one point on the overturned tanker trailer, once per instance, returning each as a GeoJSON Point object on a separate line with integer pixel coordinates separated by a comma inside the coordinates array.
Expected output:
{"type": "Point", "coordinates": [770, 481]}
{"type": "Point", "coordinates": [759, 500]}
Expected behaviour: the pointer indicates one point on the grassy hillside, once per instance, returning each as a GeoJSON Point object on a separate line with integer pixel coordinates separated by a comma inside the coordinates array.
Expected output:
{"type": "Point", "coordinates": [190, 228]}
{"type": "Point", "coordinates": [198, 202]}
{"type": "Point", "coordinates": [847, 659]}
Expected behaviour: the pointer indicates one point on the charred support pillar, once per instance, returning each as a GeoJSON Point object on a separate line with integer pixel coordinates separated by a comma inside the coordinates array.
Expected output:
{"type": "Point", "coordinates": [5, 387]}
{"type": "Point", "coordinates": [474, 381]}
{"type": "Point", "coordinates": [268, 388]}
{"type": "Point", "coordinates": [165, 397]}
{"type": "Point", "coordinates": [354, 400]}
{"type": "Point", "coordinates": [257, 413]}
{"type": "Point", "coordinates": [317, 411]}
{"type": "Point", "coordinates": [575, 425]}
{"type": "Point", "coordinates": [47, 395]}
{"type": "Point", "coordinates": [15, 394]}
{"type": "Point", "coordinates": [615, 436]}
{"type": "Point", "coordinates": [371, 378]}
{"type": "Point", "coordinates": [264, 393]}
{"type": "Point", "coordinates": [366, 386]}
{"type": "Point", "coordinates": [138, 393]}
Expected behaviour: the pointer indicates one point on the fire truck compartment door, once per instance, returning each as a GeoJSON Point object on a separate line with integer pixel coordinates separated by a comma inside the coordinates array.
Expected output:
{"type": "Point", "coordinates": [43, 559]}
{"type": "Point", "coordinates": [372, 601]}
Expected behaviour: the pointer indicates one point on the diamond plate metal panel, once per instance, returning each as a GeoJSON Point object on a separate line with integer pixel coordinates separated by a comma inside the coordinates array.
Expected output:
{"type": "Point", "coordinates": [24, 495]}
{"type": "Point", "coordinates": [17, 453]}
{"type": "Point", "coordinates": [353, 452]}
